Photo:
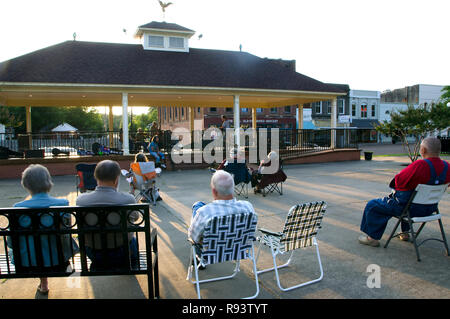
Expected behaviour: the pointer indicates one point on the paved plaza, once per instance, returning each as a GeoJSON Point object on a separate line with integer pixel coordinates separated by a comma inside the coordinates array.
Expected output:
{"type": "Point", "coordinates": [345, 186]}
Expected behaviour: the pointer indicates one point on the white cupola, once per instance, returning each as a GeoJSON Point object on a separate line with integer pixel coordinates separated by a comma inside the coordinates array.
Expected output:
{"type": "Point", "coordinates": [163, 36]}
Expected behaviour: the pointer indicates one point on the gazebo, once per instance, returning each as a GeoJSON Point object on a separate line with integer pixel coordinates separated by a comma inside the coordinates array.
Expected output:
{"type": "Point", "coordinates": [161, 71]}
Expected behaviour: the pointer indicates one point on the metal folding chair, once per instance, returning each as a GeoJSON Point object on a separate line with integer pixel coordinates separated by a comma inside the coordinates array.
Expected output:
{"type": "Point", "coordinates": [225, 238]}
{"type": "Point", "coordinates": [300, 230]}
{"type": "Point", "coordinates": [144, 180]}
{"type": "Point", "coordinates": [424, 195]}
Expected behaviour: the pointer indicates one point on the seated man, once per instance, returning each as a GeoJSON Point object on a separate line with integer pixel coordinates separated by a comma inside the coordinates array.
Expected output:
{"type": "Point", "coordinates": [107, 174]}
{"type": "Point", "coordinates": [222, 187]}
{"type": "Point", "coordinates": [139, 140]}
{"type": "Point", "coordinates": [430, 170]}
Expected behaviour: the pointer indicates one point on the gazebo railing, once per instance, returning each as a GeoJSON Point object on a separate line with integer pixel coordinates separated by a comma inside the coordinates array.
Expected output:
{"type": "Point", "coordinates": [291, 142]}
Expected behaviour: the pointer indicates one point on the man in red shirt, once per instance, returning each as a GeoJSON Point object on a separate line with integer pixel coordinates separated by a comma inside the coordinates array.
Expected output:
{"type": "Point", "coordinates": [430, 170]}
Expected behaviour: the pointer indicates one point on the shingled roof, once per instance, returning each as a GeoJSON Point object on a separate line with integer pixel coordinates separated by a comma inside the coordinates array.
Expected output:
{"type": "Point", "coordinates": [165, 26]}
{"type": "Point", "coordinates": [79, 62]}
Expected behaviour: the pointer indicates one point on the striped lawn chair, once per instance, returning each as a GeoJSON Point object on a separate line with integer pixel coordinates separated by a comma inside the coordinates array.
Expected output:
{"type": "Point", "coordinates": [300, 230]}
{"type": "Point", "coordinates": [226, 238]}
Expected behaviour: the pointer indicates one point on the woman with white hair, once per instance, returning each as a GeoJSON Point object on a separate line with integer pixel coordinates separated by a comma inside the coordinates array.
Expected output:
{"type": "Point", "coordinates": [37, 181]}
{"type": "Point", "coordinates": [269, 171]}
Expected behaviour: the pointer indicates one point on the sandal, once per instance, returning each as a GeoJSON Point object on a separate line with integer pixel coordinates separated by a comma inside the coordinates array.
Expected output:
{"type": "Point", "coordinates": [44, 292]}
{"type": "Point", "coordinates": [403, 236]}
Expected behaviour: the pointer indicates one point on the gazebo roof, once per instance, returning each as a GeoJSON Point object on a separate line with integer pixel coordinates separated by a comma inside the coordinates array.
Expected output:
{"type": "Point", "coordinates": [129, 64]}
{"type": "Point", "coordinates": [78, 73]}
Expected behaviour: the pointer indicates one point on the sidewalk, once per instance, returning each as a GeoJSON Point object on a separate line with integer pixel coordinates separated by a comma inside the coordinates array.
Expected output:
{"type": "Point", "coordinates": [345, 186]}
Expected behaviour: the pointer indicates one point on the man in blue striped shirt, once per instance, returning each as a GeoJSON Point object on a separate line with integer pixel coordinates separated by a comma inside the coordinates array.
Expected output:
{"type": "Point", "coordinates": [222, 186]}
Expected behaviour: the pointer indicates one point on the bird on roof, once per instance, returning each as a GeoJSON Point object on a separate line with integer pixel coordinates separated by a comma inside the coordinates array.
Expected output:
{"type": "Point", "coordinates": [164, 5]}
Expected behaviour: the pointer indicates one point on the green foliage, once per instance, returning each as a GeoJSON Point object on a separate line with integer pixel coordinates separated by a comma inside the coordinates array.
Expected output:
{"type": "Point", "coordinates": [46, 118]}
{"type": "Point", "coordinates": [9, 119]}
{"type": "Point", "coordinates": [144, 120]}
{"type": "Point", "coordinates": [446, 95]}
{"type": "Point", "coordinates": [416, 122]}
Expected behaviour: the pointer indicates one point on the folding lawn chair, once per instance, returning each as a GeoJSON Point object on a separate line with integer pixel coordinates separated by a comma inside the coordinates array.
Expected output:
{"type": "Point", "coordinates": [85, 177]}
{"type": "Point", "coordinates": [241, 177]}
{"type": "Point", "coordinates": [270, 183]}
{"type": "Point", "coordinates": [144, 180]}
{"type": "Point", "coordinates": [225, 238]}
{"type": "Point", "coordinates": [425, 195]}
{"type": "Point", "coordinates": [300, 230]}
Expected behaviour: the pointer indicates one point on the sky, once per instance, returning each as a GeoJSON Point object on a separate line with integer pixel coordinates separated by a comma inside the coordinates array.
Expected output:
{"type": "Point", "coordinates": [369, 45]}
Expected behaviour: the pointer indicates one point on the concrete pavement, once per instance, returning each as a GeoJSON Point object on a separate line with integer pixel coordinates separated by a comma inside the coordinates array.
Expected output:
{"type": "Point", "coordinates": [345, 186]}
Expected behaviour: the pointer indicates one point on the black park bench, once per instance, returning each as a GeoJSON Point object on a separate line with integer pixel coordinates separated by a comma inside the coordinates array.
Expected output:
{"type": "Point", "coordinates": [47, 234]}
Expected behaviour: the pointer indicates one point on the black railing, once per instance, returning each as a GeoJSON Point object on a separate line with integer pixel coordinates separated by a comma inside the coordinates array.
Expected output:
{"type": "Point", "coordinates": [290, 143]}
{"type": "Point", "coordinates": [445, 144]}
{"type": "Point", "coordinates": [74, 143]}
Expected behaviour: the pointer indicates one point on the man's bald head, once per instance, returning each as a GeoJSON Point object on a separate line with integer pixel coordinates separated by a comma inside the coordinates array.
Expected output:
{"type": "Point", "coordinates": [430, 146]}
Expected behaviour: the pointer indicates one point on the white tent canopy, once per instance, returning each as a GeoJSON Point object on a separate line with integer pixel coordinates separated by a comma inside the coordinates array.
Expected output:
{"type": "Point", "coordinates": [64, 127]}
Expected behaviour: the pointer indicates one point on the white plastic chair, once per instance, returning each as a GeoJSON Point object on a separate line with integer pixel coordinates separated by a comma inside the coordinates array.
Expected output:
{"type": "Point", "coordinates": [300, 230]}
{"type": "Point", "coordinates": [424, 195]}
{"type": "Point", "coordinates": [225, 238]}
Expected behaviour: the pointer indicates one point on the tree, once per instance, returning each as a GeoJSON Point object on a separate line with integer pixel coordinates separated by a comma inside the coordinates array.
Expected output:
{"type": "Point", "coordinates": [416, 122]}
{"type": "Point", "coordinates": [9, 119]}
{"type": "Point", "coordinates": [143, 120]}
{"type": "Point", "coordinates": [46, 118]}
{"type": "Point", "coordinates": [446, 95]}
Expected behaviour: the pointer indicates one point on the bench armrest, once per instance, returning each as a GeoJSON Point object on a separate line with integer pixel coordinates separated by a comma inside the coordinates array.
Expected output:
{"type": "Point", "coordinates": [153, 234]}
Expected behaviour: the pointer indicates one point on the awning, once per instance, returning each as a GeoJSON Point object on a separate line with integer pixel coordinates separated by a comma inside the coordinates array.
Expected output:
{"type": "Point", "coordinates": [367, 124]}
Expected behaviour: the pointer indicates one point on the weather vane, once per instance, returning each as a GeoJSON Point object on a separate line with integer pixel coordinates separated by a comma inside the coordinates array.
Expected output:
{"type": "Point", "coordinates": [164, 5]}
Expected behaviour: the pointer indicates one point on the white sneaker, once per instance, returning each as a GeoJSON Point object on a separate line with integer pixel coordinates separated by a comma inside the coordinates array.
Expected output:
{"type": "Point", "coordinates": [163, 165]}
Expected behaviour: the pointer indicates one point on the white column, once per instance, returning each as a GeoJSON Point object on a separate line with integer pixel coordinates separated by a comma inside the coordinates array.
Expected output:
{"type": "Point", "coordinates": [333, 122]}
{"type": "Point", "coordinates": [111, 126]}
{"type": "Point", "coordinates": [125, 146]}
{"type": "Point", "coordinates": [237, 120]}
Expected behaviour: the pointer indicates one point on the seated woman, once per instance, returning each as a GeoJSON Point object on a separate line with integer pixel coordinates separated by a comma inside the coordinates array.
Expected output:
{"type": "Point", "coordinates": [154, 151]}
{"type": "Point", "coordinates": [262, 177]}
{"type": "Point", "coordinates": [37, 181]}
{"type": "Point", "coordinates": [141, 158]}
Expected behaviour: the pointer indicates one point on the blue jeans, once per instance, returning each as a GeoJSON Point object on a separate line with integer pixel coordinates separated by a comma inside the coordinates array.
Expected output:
{"type": "Point", "coordinates": [158, 156]}
{"type": "Point", "coordinates": [378, 212]}
{"type": "Point", "coordinates": [113, 258]}
{"type": "Point", "coordinates": [195, 207]}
